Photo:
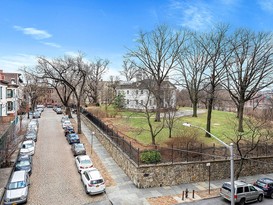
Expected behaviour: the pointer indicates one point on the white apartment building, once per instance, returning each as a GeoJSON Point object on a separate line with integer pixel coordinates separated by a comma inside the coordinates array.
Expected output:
{"type": "Point", "coordinates": [138, 95]}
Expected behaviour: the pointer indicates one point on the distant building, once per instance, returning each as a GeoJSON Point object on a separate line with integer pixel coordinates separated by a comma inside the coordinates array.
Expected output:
{"type": "Point", "coordinates": [11, 93]}
{"type": "Point", "coordinates": [139, 95]}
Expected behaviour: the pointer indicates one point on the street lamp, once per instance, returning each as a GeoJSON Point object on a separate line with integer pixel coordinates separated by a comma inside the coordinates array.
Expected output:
{"type": "Point", "coordinates": [230, 147]}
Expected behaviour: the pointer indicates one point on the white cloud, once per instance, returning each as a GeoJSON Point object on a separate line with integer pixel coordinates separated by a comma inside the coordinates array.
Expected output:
{"type": "Point", "coordinates": [197, 18]}
{"type": "Point", "coordinates": [51, 44]}
{"type": "Point", "coordinates": [16, 62]}
{"type": "Point", "coordinates": [195, 15]}
{"type": "Point", "coordinates": [35, 33]}
{"type": "Point", "coordinates": [266, 5]}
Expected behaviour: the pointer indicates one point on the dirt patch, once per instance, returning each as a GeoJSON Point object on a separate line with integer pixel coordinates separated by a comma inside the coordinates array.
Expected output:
{"type": "Point", "coordinates": [171, 200]}
{"type": "Point", "coordinates": [163, 200]}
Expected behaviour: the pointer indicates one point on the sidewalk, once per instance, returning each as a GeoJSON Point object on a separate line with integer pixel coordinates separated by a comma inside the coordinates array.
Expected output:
{"type": "Point", "coordinates": [125, 192]}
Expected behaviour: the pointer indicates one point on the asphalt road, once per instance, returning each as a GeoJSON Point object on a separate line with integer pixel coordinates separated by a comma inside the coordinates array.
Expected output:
{"type": "Point", "coordinates": [55, 179]}
{"type": "Point", "coordinates": [220, 201]}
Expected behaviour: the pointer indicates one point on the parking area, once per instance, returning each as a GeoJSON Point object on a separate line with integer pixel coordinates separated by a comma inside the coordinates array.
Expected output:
{"type": "Point", "coordinates": [55, 179]}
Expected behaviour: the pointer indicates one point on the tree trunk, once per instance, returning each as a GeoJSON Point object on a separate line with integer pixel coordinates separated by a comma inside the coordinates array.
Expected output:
{"type": "Point", "coordinates": [194, 109]}
{"type": "Point", "coordinates": [157, 116]}
{"type": "Point", "coordinates": [79, 118]}
{"type": "Point", "coordinates": [170, 133]}
{"type": "Point", "coordinates": [241, 117]}
{"type": "Point", "coordinates": [153, 140]}
{"type": "Point", "coordinates": [240, 168]}
{"type": "Point", "coordinates": [210, 103]}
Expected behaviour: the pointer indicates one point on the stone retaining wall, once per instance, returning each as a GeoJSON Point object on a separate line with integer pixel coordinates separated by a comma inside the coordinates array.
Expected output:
{"type": "Point", "coordinates": [144, 176]}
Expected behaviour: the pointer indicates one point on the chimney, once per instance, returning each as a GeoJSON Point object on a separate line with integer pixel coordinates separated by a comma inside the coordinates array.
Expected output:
{"type": "Point", "coordinates": [2, 76]}
{"type": "Point", "coordinates": [138, 76]}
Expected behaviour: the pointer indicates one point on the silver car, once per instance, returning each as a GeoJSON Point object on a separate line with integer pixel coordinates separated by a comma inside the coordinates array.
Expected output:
{"type": "Point", "coordinates": [243, 192]}
{"type": "Point", "coordinates": [17, 188]}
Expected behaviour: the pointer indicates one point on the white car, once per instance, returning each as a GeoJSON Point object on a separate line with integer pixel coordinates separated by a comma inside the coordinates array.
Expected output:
{"type": "Point", "coordinates": [27, 148]}
{"type": "Point", "coordinates": [83, 162]}
{"type": "Point", "coordinates": [92, 181]}
{"type": "Point", "coordinates": [66, 123]}
{"type": "Point", "coordinates": [64, 118]}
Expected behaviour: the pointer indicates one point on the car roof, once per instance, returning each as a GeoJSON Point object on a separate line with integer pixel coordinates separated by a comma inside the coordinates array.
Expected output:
{"type": "Point", "coordinates": [18, 176]}
{"type": "Point", "coordinates": [94, 174]}
{"type": "Point", "coordinates": [266, 180]}
{"type": "Point", "coordinates": [28, 142]}
{"type": "Point", "coordinates": [82, 157]}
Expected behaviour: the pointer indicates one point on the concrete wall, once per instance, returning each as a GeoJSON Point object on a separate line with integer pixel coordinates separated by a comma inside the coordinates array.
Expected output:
{"type": "Point", "coordinates": [178, 173]}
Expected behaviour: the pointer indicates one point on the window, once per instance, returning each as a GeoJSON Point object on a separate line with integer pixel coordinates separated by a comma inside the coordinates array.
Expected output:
{"type": "Point", "coordinates": [239, 190]}
{"type": "Point", "coordinates": [246, 189]}
{"type": "Point", "coordinates": [127, 91]}
{"type": "Point", "coordinates": [141, 102]}
{"type": "Point", "coordinates": [10, 106]}
{"type": "Point", "coordinates": [127, 102]}
{"type": "Point", "coordinates": [141, 92]}
{"type": "Point", "coordinates": [137, 92]}
{"type": "Point", "coordinates": [251, 188]}
{"type": "Point", "coordinates": [9, 93]}
{"type": "Point", "coordinates": [136, 102]}
{"type": "Point", "coordinates": [12, 81]}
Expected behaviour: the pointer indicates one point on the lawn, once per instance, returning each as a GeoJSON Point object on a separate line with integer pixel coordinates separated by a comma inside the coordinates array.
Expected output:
{"type": "Point", "coordinates": [135, 126]}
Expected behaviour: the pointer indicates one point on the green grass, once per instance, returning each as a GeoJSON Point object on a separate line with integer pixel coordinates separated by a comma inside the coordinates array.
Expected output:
{"type": "Point", "coordinates": [135, 126]}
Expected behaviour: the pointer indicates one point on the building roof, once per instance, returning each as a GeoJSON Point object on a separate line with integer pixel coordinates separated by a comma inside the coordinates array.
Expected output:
{"type": "Point", "coordinates": [145, 84]}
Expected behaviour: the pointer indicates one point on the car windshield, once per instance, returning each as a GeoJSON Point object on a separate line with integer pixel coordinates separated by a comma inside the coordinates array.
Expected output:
{"type": "Point", "coordinates": [23, 163]}
{"type": "Point", "coordinates": [79, 146]}
{"type": "Point", "coordinates": [27, 146]}
{"type": "Point", "coordinates": [226, 186]}
{"type": "Point", "coordinates": [17, 185]}
{"type": "Point", "coordinates": [85, 161]}
{"type": "Point", "coordinates": [99, 181]}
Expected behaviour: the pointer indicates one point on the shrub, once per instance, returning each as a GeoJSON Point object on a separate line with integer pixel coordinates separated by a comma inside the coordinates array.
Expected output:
{"type": "Point", "coordinates": [150, 156]}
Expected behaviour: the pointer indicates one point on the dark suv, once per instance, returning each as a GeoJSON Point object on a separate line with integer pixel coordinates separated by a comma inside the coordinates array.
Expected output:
{"type": "Point", "coordinates": [266, 184]}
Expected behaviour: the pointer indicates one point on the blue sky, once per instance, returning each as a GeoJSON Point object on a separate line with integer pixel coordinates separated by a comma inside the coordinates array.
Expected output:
{"type": "Point", "coordinates": [105, 28]}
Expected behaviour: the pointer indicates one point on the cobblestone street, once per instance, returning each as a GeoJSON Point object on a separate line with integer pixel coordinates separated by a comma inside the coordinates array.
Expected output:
{"type": "Point", "coordinates": [55, 179]}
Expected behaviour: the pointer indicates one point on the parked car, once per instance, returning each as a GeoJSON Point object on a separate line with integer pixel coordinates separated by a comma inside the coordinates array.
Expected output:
{"type": "Point", "coordinates": [266, 184]}
{"type": "Point", "coordinates": [66, 123]}
{"type": "Point", "coordinates": [68, 130]}
{"type": "Point", "coordinates": [59, 110]}
{"type": "Point", "coordinates": [65, 118]}
{"type": "Point", "coordinates": [27, 147]}
{"type": "Point", "coordinates": [31, 135]}
{"type": "Point", "coordinates": [25, 157]}
{"type": "Point", "coordinates": [73, 138]}
{"type": "Point", "coordinates": [243, 192]}
{"type": "Point", "coordinates": [24, 164]}
{"type": "Point", "coordinates": [93, 181]}
{"type": "Point", "coordinates": [17, 188]}
{"type": "Point", "coordinates": [34, 122]}
{"type": "Point", "coordinates": [78, 149]}
{"type": "Point", "coordinates": [83, 162]}
{"type": "Point", "coordinates": [36, 114]}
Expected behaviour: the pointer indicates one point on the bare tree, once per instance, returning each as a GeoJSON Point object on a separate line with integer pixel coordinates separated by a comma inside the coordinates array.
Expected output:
{"type": "Point", "coordinates": [193, 63]}
{"type": "Point", "coordinates": [215, 45]}
{"type": "Point", "coordinates": [71, 71]}
{"type": "Point", "coordinates": [250, 68]}
{"type": "Point", "coordinates": [257, 133]}
{"type": "Point", "coordinates": [156, 55]}
{"type": "Point", "coordinates": [129, 69]}
{"type": "Point", "coordinates": [95, 74]}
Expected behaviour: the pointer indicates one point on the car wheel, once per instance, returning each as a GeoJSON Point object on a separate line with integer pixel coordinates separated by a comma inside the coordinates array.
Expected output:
{"type": "Point", "coordinates": [86, 191]}
{"type": "Point", "coordinates": [260, 198]}
{"type": "Point", "coordinates": [271, 195]}
{"type": "Point", "coordinates": [242, 201]}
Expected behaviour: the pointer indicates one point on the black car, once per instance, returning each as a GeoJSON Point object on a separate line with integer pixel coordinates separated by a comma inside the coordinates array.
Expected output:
{"type": "Point", "coordinates": [24, 163]}
{"type": "Point", "coordinates": [266, 184]}
{"type": "Point", "coordinates": [78, 149]}
{"type": "Point", "coordinates": [68, 130]}
{"type": "Point", "coordinates": [73, 138]}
